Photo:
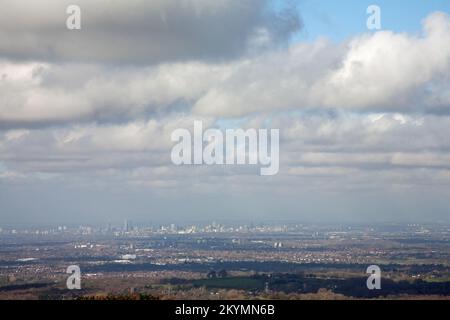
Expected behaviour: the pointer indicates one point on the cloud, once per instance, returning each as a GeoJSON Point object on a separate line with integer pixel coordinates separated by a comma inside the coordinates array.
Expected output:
{"type": "Point", "coordinates": [37, 94]}
{"type": "Point", "coordinates": [383, 71]}
{"type": "Point", "coordinates": [311, 144]}
{"type": "Point", "coordinates": [369, 115]}
{"type": "Point", "coordinates": [162, 30]}
{"type": "Point", "coordinates": [380, 72]}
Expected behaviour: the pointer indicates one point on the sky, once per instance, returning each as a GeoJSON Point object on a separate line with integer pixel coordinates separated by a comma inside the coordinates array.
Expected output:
{"type": "Point", "coordinates": [86, 115]}
{"type": "Point", "coordinates": [338, 20]}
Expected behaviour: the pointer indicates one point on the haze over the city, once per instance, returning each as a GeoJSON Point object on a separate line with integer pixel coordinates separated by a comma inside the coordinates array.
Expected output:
{"type": "Point", "coordinates": [86, 115]}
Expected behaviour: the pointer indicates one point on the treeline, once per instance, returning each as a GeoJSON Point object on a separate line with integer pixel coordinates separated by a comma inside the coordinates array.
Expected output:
{"type": "Point", "coordinates": [304, 284]}
{"type": "Point", "coordinates": [354, 287]}
{"type": "Point", "coordinates": [25, 286]}
{"type": "Point", "coordinates": [264, 267]}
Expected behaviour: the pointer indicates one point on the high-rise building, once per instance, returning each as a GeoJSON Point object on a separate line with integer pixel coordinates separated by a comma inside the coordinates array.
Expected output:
{"type": "Point", "coordinates": [127, 225]}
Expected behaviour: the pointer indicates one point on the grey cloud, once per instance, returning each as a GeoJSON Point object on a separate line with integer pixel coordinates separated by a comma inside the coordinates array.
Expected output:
{"type": "Point", "coordinates": [315, 144]}
{"type": "Point", "coordinates": [39, 94]}
{"type": "Point", "coordinates": [140, 32]}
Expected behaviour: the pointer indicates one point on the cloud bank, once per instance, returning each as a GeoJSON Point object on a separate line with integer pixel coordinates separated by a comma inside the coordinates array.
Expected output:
{"type": "Point", "coordinates": [366, 117]}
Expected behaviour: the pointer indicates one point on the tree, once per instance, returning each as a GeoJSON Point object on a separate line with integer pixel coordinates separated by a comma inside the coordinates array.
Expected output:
{"type": "Point", "coordinates": [222, 273]}
{"type": "Point", "coordinates": [212, 274]}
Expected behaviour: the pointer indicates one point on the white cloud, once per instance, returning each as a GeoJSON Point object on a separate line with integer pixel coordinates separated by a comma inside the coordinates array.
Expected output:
{"type": "Point", "coordinates": [380, 71]}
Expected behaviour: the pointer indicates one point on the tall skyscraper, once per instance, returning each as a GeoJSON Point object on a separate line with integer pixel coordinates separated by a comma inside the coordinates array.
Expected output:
{"type": "Point", "coordinates": [127, 225]}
